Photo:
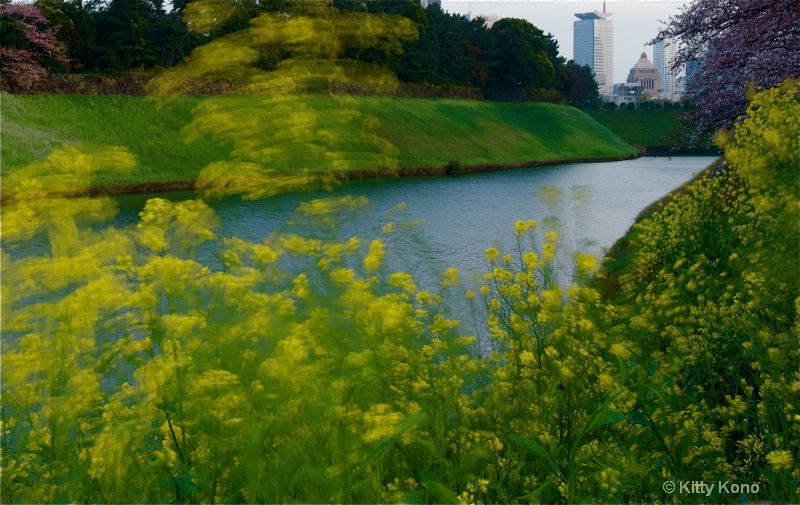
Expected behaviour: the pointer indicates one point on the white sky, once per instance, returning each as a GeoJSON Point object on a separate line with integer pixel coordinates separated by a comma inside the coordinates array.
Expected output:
{"type": "Point", "coordinates": [635, 22]}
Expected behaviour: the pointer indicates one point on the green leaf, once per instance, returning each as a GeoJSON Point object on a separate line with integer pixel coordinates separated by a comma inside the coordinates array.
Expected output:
{"type": "Point", "coordinates": [538, 451]}
{"type": "Point", "coordinates": [606, 417]}
{"type": "Point", "coordinates": [636, 417]}
{"type": "Point", "coordinates": [441, 492]}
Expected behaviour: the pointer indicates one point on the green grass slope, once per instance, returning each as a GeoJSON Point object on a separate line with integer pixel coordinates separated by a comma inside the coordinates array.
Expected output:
{"type": "Point", "coordinates": [427, 133]}
{"type": "Point", "coordinates": [641, 127]}
{"type": "Point", "coordinates": [434, 132]}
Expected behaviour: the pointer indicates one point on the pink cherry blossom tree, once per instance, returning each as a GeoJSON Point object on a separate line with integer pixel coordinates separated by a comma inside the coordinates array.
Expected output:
{"type": "Point", "coordinates": [736, 43]}
{"type": "Point", "coordinates": [29, 54]}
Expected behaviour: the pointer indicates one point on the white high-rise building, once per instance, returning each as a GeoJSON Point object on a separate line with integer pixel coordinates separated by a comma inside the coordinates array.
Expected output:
{"type": "Point", "coordinates": [593, 39]}
{"type": "Point", "coordinates": [489, 19]}
{"type": "Point", "coordinates": [663, 58]}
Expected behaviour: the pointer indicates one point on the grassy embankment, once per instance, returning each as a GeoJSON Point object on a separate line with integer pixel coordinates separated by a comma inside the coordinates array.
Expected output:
{"type": "Point", "coordinates": [651, 131]}
{"type": "Point", "coordinates": [640, 127]}
{"type": "Point", "coordinates": [427, 133]}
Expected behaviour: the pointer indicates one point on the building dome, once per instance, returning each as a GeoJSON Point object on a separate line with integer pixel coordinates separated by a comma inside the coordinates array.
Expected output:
{"type": "Point", "coordinates": [644, 63]}
{"type": "Point", "coordinates": [644, 74]}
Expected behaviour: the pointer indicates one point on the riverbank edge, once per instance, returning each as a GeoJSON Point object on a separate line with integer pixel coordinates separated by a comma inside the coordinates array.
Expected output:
{"type": "Point", "coordinates": [669, 151]}
{"type": "Point", "coordinates": [454, 168]}
{"type": "Point", "coordinates": [619, 257]}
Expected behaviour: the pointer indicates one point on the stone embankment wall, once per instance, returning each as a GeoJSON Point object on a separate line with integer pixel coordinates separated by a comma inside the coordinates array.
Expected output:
{"type": "Point", "coordinates": [136, 85]}
{"type": "Point", "coordinates": [132, 85]}
{"type": "Point", "coordinates": [127, 85]}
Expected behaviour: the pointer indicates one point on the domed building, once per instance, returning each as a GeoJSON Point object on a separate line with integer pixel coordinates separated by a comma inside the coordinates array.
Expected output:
{"type": "Point", "coordinates": [645, 75]}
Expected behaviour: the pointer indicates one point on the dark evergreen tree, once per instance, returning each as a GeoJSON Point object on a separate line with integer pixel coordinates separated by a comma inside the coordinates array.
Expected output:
{"type": "Point", "coordinates": [519, 56]}
{"type": "Point", "coordinates": [579, 86]}
{"type": "Point", "coordinates": [127, 35]}
{"type": "Point", "coordinates": [74, 23]}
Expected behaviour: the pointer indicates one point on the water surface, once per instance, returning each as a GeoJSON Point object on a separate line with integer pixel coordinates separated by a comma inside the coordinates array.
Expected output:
{"type": "Point", "coordinates": [459, 217]}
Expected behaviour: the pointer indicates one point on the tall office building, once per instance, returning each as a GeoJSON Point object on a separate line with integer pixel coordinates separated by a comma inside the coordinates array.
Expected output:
{"type": "Point", "coordinates": [426, 3]}
{"type": "Point", "coordinates": [693, 68]}
{"type": "Point", "coordinates": [489, 19]}
{"type": "Point", "coordinates": [593, 38]}
{"type": "Point", "coordinates": [663, 58]}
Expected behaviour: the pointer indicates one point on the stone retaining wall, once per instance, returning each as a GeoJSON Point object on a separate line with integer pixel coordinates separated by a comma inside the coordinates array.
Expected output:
{"type": "Point", "coordinates": [127, 85]}
{"type": "Point", "coordinates": [78, 84]}
{"type": "Point", "coordinates": [135, 85]}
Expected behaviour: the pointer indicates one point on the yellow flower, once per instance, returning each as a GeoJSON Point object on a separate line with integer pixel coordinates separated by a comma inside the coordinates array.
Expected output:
{"type": "Point", "coordinates": [780, 460]}
{"type": "Point", "coordinates": [343, 275]}
{"type": "Point", "coordinates": [380, 423]}
{"type": "Point", "coordinates": [548, 252]}
{"type": "Point", "coordinates": [492, 254]}
{"type": "Point", "coordinates": [585, 263]}
{"type": "Point", "coordinates": [530, 259]}
{"type": "Point", "coordinates": [620, 351]}
{"type": "Point", "coordinates": [402, 280]}
{"type": "Point", "coordinates": [450, 277]}
{"type": "Point", "coordinates": [300, 283]}
{"type": "Point", "coordinates": [373, 259]}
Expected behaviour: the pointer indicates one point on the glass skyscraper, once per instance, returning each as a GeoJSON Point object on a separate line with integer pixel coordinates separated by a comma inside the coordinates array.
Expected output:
{"type": "Point", "coordinates": [663, 58]}
{"type": "Point", "coordinates": [593, 39]}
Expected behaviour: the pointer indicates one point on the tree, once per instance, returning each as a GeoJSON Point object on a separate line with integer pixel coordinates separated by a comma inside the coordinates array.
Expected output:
{"type": "Point", "coordinates": [28, 45]}
{"type": "Point", "coordinates": [558, 61]}
{"type": "Point", "coordinates": [450, 49]}
{"type": "Point", "coordinates": [739, 42]}
{"type": "Point", "coordinates": [126, 34]}
{"type": "Point", "coordinates": [579, 85]}
{"type": "Point", "coordinates": [519, 53]}
{"type": "Point", "coordinates": [386, 55]}
{"type": "Point", "coordinates": [75, 29]}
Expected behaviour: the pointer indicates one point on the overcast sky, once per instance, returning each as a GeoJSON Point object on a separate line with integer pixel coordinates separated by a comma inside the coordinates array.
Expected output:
{"type": "Point", "coordinates": [635, 22]}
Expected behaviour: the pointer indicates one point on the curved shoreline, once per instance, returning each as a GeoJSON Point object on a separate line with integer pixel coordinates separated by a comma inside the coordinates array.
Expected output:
{"type": "Point", "coordinates": [188, 185]}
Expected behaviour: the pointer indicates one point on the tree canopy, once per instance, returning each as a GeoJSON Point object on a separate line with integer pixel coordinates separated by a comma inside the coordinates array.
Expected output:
{"type": "Point", "coordinates": [735, 43]}
{"type": "Point", "coordinates": [520, 53]}
{"type": "Point", "coordinates": [28, 45]}
{"type": "Point", "coordinates": [449, 50]}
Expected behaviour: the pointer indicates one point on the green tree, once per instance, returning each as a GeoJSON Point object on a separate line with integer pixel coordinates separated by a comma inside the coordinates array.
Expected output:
{"type": "Point", "coordinates": [520, 55]}
{"type": "Point", "coordinates": [579, 85]}
{"type": "Point", "coordinates": [140, 34]}
{"type": "Point", "coordinates": [74, 22]}
{"type": "Point", "coordinates": [450, 49]}
{"type": "Point", "coordinates": [126, 33]}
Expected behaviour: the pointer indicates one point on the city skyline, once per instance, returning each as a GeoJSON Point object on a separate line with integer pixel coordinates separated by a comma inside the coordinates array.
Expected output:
{"type": "Point", "coordinates": [635, 22]}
